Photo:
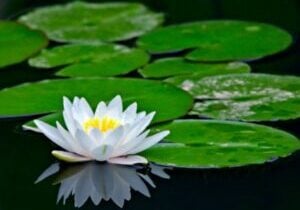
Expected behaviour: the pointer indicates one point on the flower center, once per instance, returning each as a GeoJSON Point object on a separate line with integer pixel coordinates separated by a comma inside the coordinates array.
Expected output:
{"type": "Point", "coordinates": [104, 124]}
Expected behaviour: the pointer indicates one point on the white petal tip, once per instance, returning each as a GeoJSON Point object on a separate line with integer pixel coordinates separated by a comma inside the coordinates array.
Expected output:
{"type": "Point", "coordinates": [152, 113]}
{"type": "Point", "coordinates": [167, 132]}
{"type": "Point", "coordinates": [66, 99]}
{"type": "Point", "coordinates": [31, 128]}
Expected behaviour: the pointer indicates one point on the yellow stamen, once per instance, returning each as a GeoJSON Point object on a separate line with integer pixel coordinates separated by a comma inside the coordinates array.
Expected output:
{"type": "Point", "coordinates": [104, 124]}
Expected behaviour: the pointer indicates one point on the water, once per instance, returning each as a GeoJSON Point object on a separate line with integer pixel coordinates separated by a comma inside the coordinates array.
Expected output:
{"type": "Point", "coordinates": [24, 156]}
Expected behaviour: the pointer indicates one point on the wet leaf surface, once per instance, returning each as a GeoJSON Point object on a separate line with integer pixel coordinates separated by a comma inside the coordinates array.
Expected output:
{"type": "Point", "coordinates": [92, 22]}
{"type": "Point", "coordinates": [217, 144]}
{"type": "Point", "coordinates": [221, 40]}
{"type": "Point", "coordinates": [248, 97]}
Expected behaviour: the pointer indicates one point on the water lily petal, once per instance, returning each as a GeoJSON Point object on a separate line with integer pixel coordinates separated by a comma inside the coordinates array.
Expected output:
{"type": "Point", "coordinates": [69, 122]}
{"type": "Point", "coordinates": [129, 145]}
{"type": "Point", "coordinates": [102, 152]}
{"type": "Point", "coordinates": [130, 114]}
{"type": "Point", "coordinates": [115, 107]}
{"type": "Point", "coordinates": [75, 147]}
{"type": "Point", "coordinates": [149, 142]}
{"type": "Point", "coordinates": [68, 116]}
{"type": "Point", "coordinates": [101, 110]}
{"type": "Point", "coordinates": [140, 115]}
{"type": "Point", "coordinates": [128, 160]}
{"type": "Point", "coordinates": [81, 110]}
{"type": "Point", "coordinates": [30, 128]}
{"type": "Point", "coordinates": [115, 137]}
{"type": "Point", "coordinates": [140, 126]}
{"type": "Point", "coordinates": [85, 107]}
{"type": "Point", "coordinates": [97, 136]}
{"type": "Point", "coordinates": [53, 134]}
{"type": "Point", "coordinates": [86, 143]}
{"type": "Point", "coordinates": [67, 104]}
{"type": "Point", "coordinates": [69, 157]}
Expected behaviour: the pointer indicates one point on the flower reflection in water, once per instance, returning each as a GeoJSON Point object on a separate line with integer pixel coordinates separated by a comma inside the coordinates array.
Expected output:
{"type": "Point", "coordinates": [102, 181]}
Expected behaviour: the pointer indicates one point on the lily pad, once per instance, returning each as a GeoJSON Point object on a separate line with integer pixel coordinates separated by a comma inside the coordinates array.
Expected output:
{"type": "Point", "coordinates": [91, 59]}
{"type": "Point", "coordinates": [118, 64]}
{"type": "Point", "coordinates": [178, 66]}
{"type": "Point", "coordinates": [18, 42]}
{"type": "Point", "coordinates": [46, 96]}
{"type": "Point", "coordinates": [247, 97]}
{"type": "Point", "coordinates": [91, 54]}
{"type": "Point", "coordinates": [217, 144]}
{"type": "Point", "coordinates": [93, 22]}
{"type": "Point", "coordinates": [220, 40]}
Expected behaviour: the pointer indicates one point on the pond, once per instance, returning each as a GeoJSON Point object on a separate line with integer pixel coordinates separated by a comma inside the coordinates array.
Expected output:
{"type": "Point", "coordinates": [27, 161]}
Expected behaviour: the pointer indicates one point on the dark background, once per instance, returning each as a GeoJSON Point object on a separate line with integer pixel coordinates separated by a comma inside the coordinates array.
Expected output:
{"type": "Point", "coordinates": [273, 186]}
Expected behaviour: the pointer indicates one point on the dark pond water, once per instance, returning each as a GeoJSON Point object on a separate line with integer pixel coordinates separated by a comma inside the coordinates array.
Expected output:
{"type": "Point", "coordinates": [276, 186]}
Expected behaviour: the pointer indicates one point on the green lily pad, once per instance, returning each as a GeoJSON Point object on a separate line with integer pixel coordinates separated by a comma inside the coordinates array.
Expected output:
{"type": "Point", "coordinates": [220, 40]}
{"type": "Point", "coordinates": [18, 42]}
{"type": "Point", "coordinates": [247, 97]}
{"type": "Point", "coordinates": [91, 59]}
{"type": "Point", "coordinates": [178, 66]}
{"type": "Point", "coordinates": [92, 54]}
{"type": "Point", "coordinates": [93, 22]}
{"type": "Point", "coordinates": [217, 144]}
{"type": "Point", "coordinates": [118, 64]}
{"type": "Point", "coordinates": [46, 96]}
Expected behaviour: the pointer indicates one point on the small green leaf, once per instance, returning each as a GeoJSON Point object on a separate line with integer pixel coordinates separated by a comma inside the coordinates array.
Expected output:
{"type": "Point", "coordinates": [91, 59]}
{"type": "Point", "coordinates": [247, 97]}
{"type": "Point", "coordinates": [92, 22]}
{"type": "Point", "coordinates": [17, 43]}
{"type": "Point", "coordinates": [178, 66]}
{"type": "Point", "coordinates": [217, 144]}
{"type": "Point", "coordinates": [46, 96]}
{"type": "Point", "coordinates": [221, 40]}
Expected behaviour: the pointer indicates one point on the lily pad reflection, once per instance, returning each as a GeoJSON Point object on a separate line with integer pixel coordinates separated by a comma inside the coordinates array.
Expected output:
{"type": "Point", "coordinates": [102, 182]}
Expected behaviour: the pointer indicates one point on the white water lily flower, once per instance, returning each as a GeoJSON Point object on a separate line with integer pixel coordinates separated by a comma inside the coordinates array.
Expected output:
{"type": "Point", "coordinates": [110, 134]}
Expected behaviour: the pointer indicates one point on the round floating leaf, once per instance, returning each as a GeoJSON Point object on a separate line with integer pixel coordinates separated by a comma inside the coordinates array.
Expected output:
{"type": "Point", "coordinates": [247, 97]}
{"type": "Point", "coordinates": [17, 43]}
{"type": "Point", "coordinates": [120, 63]}
{"type": "Point", "coordinates": [177, 66]}
{"type": "Point", "coordinates": [91, 59]}
{"type": "Point", "coordinates": [92, 22]}
{"type": "Point", "coordinates": [216, 144]}
{"type": "Point", "coordinates": [218, 40]}
{"type": "Point", "coordinates": [84, 53]}
{"type": "Point", "coordinates": [46, 96]}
